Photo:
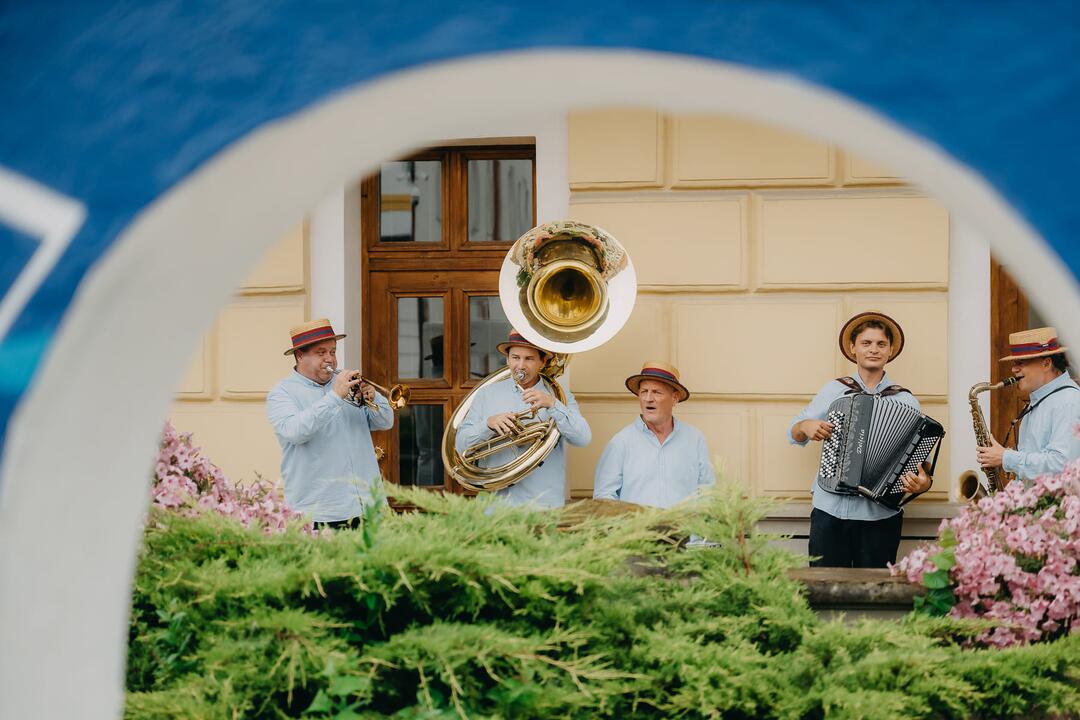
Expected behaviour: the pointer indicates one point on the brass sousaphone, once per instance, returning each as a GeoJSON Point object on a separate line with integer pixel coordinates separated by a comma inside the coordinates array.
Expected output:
{"type": "Point", "coordinates": [566, 287]}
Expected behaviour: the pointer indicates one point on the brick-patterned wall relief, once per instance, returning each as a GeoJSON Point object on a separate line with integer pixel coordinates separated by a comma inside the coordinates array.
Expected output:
{"type": "Point", "coordinates": [752, 246]}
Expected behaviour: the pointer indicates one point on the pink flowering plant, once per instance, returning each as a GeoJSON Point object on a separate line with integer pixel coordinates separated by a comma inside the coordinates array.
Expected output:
{"type": "Point", "coordinates": [1011, 559]}
{"type": "Point", "coordinates": [188, 483]}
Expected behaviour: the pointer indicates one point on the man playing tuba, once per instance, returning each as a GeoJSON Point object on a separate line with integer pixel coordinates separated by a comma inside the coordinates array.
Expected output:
{"type": "Point", "coordinates": [496, 409]}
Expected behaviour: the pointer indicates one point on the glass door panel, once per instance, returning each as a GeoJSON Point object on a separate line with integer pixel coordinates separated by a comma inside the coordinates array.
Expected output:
{"type": "Point", "coordinates": [410, 202]}
{"type": "Point", "coordinates": [420, 430]}
{"type": "Point", "coordinates": [500, 199]}
{"type": "Point", "coordinates": [488, 327]}
{"type": "Point", "coordinates": [420, 337]}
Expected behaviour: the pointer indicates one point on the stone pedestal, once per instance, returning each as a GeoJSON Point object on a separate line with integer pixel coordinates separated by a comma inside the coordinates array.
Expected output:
{"type": "Point", "coordinates": [856, 592]}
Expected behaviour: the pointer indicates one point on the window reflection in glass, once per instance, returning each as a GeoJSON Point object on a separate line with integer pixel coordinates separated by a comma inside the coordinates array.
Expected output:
{"type": "Point", "coordinates": [488, 327]}
{"type": "Point", "coordinates": [410, 201]}
{"type": "Point", "coordinates": [500, 199]}
{"type": "Point", "coordinates": [420, 429]}
{"type": "Point", "coordinates": [420, 337]}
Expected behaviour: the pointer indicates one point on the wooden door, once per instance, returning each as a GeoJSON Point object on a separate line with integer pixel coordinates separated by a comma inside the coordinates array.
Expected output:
{"type": "Point", "coordinates": [436, 228]}
{"type": "Point", "coordinates": [1009, 313]}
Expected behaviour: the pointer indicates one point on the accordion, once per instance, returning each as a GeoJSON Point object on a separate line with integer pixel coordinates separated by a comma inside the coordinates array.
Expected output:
{"type": "Point", "coordinates": [875, 441]}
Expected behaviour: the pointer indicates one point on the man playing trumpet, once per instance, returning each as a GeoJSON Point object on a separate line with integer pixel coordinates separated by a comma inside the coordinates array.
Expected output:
{"type": "Point", "coordinates": [1047, 440]}
{"type": "Point", "coordinates": [328, 461]}
{"type": "Point", "coordinates": [495, 411]}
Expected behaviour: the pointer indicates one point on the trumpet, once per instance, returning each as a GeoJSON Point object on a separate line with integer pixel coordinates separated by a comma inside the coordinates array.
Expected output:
{"type": "Point", "coordinates": [396, 395]}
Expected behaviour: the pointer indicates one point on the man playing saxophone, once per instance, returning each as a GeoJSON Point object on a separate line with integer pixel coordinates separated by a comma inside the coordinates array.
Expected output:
{"type": "Point", "coordinates": [1047, 440]}
{"type": "Point", "coordinates": [496, 408]}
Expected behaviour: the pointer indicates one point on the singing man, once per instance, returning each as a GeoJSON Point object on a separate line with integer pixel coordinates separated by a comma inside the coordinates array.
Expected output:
{"type": "Point", "coordinates": [656, 460]}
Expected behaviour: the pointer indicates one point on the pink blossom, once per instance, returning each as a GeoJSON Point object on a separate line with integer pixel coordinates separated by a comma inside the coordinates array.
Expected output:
{"type": "Point", "coordinates": [1014, 560]}
{"type": "Point", "coordinates": [189, 484]}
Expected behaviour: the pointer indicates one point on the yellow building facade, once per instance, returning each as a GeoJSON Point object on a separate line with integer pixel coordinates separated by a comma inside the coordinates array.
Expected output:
{"type": "Point", "coordinates": [752, 246]}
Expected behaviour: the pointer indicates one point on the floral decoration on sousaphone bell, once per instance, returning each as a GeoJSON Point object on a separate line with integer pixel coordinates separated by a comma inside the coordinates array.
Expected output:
{"type": "Point", "coordinates": [567, 285]}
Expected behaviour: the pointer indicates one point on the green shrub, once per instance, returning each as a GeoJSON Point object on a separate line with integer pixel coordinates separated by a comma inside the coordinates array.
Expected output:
{"type": "Point", "coordinates": [471, 610]}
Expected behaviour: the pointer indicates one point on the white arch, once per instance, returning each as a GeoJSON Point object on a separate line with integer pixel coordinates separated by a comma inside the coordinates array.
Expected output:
{"type": "Point", "coordinates": [75, 468]}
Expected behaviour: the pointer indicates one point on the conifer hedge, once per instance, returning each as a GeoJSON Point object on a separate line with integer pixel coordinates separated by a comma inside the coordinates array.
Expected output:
{"type": "Point", "coordinates": [469, 610]}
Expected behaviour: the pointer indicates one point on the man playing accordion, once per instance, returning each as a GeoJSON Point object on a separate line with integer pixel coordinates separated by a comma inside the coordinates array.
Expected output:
{"type": "Point", "coordinates": [852, 530]}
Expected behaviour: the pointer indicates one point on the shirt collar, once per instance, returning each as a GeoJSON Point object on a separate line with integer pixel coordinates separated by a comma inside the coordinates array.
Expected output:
{"type": "Point", "coordinates": [645, 428]}
{"type": "Point", "coordinates": [882, 384]}
{"type": "Point", "coordinates": [1041, 392]}
{"type": "Point", "coordinates": [308, 381]}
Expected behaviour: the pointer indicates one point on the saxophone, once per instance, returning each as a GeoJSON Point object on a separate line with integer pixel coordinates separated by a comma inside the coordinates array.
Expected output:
{"type": "Point", "coordinates": [972, 487]}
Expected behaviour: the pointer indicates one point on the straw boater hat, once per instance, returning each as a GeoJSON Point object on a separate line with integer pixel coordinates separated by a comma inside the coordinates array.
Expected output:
{"type": "Point", "coordinates": [661, 372]}
{"type": "Point", "coordinates": [310, 333]}
{"type": "Point", "coordinates": [1036, 343]}
{"type": "Point", "coordinates": [850, 325]}
{"type": "Point", "coordinates": [517, 340]}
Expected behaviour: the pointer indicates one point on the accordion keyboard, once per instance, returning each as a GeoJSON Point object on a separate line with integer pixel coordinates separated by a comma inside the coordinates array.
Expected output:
{"type": "Point", "coordinates": [830, 449]}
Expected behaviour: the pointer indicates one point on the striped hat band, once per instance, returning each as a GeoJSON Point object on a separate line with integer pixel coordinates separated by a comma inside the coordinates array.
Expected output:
{"type": "Point", "coordinates": [1033, 348]}
{"type": "Point", "coordinates": [657, 372]}
{"type": "Point", "coordinates": [311, 332]}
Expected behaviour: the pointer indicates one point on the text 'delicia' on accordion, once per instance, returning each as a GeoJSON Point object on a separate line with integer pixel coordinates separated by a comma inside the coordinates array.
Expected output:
{"type": "Point", "coordinates": [875, 441]}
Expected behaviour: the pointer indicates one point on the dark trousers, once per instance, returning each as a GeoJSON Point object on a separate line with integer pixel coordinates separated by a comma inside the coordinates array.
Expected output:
{"type": "Point", "coordinates": [853, 543]}
{"type": "Point", "coordinates": [350, 524]}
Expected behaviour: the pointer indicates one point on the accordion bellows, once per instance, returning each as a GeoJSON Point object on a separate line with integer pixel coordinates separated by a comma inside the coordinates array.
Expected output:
{"type": "Point", "coordinates": [875, 440]}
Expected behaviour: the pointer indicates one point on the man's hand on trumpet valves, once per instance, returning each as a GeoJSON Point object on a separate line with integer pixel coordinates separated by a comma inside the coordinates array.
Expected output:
{"type": "Point", "coordinates": [343, 383]}
{"type": "Point", "coordinates": [368, 391]}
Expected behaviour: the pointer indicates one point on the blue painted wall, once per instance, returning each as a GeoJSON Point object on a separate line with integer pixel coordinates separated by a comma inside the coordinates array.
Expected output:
{"type": "Point", "coordinates": [114, 103]}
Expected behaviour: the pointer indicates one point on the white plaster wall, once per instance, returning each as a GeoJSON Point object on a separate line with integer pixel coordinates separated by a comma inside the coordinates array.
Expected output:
{"type": "Point", "coordinates": [969, 343]}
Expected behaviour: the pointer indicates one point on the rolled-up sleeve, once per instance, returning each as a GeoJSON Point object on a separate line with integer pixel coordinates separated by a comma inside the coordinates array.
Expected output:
{"type": "Point", "coordinates": [706, 472]}
{"type": "Point", "coordinates": [571, 423]}
{"type": "Point", "coordinates": [297, 426]}
{"type": "Point", "coordinates": [474, 427]}
{"type": "Point", "coordinates": [1062, 447]}
{"type": "Point", "coordinates": [816, 409]}
{"type": "Point", "coordinates": [382, 416]}
{"type": "Point", "coordinates": [608, 480]}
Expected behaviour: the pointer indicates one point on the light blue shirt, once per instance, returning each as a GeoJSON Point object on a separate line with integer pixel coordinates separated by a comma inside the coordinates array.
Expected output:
{"type": "Point", "coordinates": [1047, 439]}
{"type": "Point", "coordinates": [637, 468]}
{"type": "Point", "coordinates": [546, 485]}
{"type": "Point", "coordinates": [327, 458]}
{"type": "Point", "coordinates": [845, 507]}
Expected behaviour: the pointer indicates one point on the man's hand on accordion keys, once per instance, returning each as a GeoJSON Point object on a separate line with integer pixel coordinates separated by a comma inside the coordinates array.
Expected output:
{"type": "Point", "coordinates": [918, 483]}
{"type": "Point", "coordinates": [814, 430]}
